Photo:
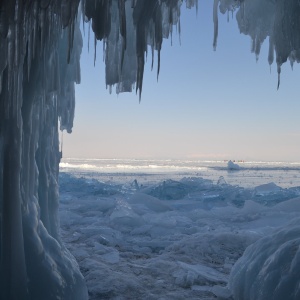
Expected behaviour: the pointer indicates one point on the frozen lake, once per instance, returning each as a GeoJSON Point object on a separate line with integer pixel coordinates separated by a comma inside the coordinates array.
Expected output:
{"type": "Point", "coordinates": [250, 174]}
{"type": "Point", "coordinates": [168, 229]}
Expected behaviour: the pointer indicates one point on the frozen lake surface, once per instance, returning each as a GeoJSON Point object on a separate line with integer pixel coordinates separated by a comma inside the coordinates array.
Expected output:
{"type": "Point", "coordinates": [144, 229]}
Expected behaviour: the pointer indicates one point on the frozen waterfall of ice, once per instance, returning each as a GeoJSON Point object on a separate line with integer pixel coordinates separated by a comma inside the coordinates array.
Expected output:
{"type": "Point", "coordinates": [39, 64]}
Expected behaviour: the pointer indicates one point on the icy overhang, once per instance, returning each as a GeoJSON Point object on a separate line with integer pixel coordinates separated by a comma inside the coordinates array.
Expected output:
{"type": "Point", "coordinates": [131, 28]}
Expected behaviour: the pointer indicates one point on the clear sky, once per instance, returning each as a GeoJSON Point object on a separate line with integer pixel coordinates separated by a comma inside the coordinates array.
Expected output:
{"type": "Point", "coordinates": [206, 104]}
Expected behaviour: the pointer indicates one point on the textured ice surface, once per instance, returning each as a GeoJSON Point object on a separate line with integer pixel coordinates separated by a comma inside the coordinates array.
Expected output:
{"type": "Point", "coordinates": [269, 269]}
{"type": "Point", "coordinates": [136, 243]}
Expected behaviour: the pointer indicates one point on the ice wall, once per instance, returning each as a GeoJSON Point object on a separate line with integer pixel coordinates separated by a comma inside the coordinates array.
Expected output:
{"type": "Point", "coordinates": [36, 90]}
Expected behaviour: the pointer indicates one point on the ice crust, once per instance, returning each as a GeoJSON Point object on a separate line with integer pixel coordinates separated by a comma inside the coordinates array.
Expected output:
{"type": "Point", "coordinates": [39, 64]}
{"type": "Point", "coordinates": [133, 245]}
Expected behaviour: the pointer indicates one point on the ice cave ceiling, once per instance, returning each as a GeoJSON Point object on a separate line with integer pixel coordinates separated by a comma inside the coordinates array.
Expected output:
{"type": "Point", "coordinates": [131, 28]}
{"type": "Point", "coordinates": [39, 64]}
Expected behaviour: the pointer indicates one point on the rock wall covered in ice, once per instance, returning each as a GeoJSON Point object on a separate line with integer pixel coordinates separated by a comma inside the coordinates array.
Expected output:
{"type": "Point", "coordinates": [39, 64]}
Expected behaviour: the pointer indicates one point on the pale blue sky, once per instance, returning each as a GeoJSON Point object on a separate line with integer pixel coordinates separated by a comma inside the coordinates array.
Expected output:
{"type": "Point", "coordinates": [206, 104]}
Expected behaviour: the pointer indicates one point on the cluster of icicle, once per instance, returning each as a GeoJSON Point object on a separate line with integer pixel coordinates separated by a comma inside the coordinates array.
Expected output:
{"type": "Point", "coordinates": [128, 29]}
{"type": "Point", "coordinates": [277, 20]}
{"type": "Point", "coordinates": [36, 90]}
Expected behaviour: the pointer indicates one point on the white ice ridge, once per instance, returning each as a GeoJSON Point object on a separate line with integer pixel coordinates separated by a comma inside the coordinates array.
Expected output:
{"type": "Point", "coordinates": [39, 64]}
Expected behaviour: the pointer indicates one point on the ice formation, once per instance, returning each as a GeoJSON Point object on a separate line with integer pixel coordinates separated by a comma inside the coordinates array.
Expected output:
{"type": "Point", "coordinates": [37, 89]}
{"type": "Point", "coordinates": [272, 264]}
{"type": "Point", "coordinates": [39, 64]}
{"type": "Point", "coordinates": [232, 166]}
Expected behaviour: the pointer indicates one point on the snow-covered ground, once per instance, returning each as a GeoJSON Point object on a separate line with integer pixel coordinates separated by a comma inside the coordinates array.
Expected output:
{"type": "Point", "coordinates": [170, 230]}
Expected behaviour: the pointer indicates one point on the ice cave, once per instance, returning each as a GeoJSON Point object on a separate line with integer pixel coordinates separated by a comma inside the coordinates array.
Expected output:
{"type": "Point", "coordinates": [40, 63]}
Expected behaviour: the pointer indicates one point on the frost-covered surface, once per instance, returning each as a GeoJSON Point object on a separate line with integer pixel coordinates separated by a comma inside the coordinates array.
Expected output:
{"type": "Point", "coordinates": [170, 239]}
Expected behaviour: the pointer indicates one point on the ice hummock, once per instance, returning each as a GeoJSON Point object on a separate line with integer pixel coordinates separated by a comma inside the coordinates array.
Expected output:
{"type": "Point", "coordinates": [272, 264]}
{"type": "Point", "coordinates": [232, 166]}
{"type": "Point", "coordinates": [267, 188]}
{"type": "Point", "coordinates": [138, 243]}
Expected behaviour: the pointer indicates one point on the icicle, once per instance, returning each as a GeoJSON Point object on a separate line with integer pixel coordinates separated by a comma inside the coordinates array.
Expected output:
{"type": "Point", "coordinates": [252, 45]}
{"type": "Point", "coordinates": [216, 25]}
{"type": "Point", "coordinates": [179, 30]}
{"type": "Point", "coordinates": [271, 51]}
{"type": "Point", "coordinates": [10, 57]}
{"type": "Point", "coordinates": [278, 71]}
{"type": "Point", "coordinates": [292, 59]}
{"type": "Point", "coordinates": [104, 50]}
{"type": "Point", "coordinates": [70, 41]}
{"type": "Point", "coordinates": [122, 21]}
{"type": "Point", "coordinates": [89, 30]}
{"type": "Point", "coordinates": [83, 16]}
{"type": "Point", "coordinates": [95, 50]}
{"type": "Point", "coordinates": [158, 63]}
{"type": "Point", "coordinates": [132, 3]}
{"type": "Point", "coordinates": [35, 25]}
{"type": "Point", "coordinates": [29, 47]}
{"type": "Point", "coordinates": [257, 49]}
{"type": "Point", "coordinates": [42, 25]}
{"type": "Point", "coordinates": [152, 55]}
{"type": "Point", "coordinates": [140, 74]}
{"type": "Point", "coordinates": [17, 44]}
